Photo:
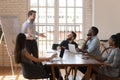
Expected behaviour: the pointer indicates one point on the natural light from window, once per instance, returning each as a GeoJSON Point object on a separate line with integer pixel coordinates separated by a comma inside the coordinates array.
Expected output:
{"type": "Point", "coordinates": [56, 18]}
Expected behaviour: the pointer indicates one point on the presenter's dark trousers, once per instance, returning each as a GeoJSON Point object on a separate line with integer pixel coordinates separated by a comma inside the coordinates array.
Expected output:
{"type": "Point", "coordinates": [32, 48]}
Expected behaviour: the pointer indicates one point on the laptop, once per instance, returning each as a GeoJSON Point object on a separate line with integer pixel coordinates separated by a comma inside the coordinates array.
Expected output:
{"type": "Point", "coordinates": [72, 48]}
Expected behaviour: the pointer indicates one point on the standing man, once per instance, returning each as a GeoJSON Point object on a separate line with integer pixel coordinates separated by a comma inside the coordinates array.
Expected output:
{"type": "Point", "coordinates": [28, 28]}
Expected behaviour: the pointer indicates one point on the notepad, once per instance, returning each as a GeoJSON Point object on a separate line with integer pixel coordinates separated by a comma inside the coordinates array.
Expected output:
{"type": "Point", "coordinates": [72, 48]}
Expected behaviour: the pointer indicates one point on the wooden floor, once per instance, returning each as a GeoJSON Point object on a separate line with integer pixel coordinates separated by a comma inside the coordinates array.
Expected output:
{"type": "Point", "coordinates": [6, 74]}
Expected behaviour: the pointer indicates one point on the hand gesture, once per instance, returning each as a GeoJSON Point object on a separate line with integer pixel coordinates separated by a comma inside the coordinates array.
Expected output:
{"type": "Point", "coordinates": [53, 56]}
{"type": "Point", "coordinates": [42, 35]}
{"type": "Point", "coordinates": [77, 49]}
{"type": "Point", "coordinates": [106, 64]}
{"type": "Point", "coordinates": [88, 38]}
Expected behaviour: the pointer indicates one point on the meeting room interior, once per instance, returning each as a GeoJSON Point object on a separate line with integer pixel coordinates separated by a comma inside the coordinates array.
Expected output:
{"type": "Point", "coordinates": [34, 38]}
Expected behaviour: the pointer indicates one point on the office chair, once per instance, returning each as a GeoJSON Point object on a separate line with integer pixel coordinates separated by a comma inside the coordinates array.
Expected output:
{"type": "Point", "coordinates": [34, 71]}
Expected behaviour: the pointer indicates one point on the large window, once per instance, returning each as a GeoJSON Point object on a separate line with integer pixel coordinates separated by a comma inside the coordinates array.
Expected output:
{"type": "Point", "coordinates": [56, 18]}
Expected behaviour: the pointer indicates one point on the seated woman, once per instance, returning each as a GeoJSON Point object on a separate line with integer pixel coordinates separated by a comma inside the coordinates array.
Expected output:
{"type": "Point", "coordinates": [111, 62]}
{"type": "Point", "coordinates": [24, 58]}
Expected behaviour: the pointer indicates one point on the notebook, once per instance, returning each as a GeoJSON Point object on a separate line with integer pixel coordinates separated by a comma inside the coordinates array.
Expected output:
{"type": "Point", "coordinates": [72, 48]}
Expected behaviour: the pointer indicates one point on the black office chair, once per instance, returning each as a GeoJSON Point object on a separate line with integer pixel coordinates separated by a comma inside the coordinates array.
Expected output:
{"type": "Point", "coordinates": [33, 71]}
{"type": "Point", "coordinates": [54, 46]}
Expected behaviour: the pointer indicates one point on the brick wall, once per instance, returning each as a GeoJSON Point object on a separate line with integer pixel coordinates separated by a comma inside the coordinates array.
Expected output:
{"type": "Point", "coordinates": [87, 16]}
{"type": "Point", "coordinates": [17, 8]}
{"type": "Point", "coordinates": [4, 57]}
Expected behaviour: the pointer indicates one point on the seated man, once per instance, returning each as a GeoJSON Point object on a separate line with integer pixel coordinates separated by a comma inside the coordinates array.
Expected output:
{"type": "Point", "coordinates": [70, 40]}
{"type": "Point", "coordinates": [91, 45]}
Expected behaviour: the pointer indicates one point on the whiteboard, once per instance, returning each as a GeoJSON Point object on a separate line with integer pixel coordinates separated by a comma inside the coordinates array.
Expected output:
{"type": "Point", "coordinates": [10, 28]}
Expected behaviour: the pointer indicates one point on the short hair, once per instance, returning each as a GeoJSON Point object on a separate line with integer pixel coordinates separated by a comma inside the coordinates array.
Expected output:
{"type": "Point", "coordinates": [74, 34]}
{"type": "Point", "coordinates": [95, 30]}
{"type": "Point", "coordinates": [31, 12]}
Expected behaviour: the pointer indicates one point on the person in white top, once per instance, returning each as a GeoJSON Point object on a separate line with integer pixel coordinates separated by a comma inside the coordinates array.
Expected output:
{"type": "Point", "coordinates": [28, 28]}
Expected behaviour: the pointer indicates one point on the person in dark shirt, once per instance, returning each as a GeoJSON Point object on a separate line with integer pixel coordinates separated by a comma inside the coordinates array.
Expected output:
{"type": "Point", "coordinates": [23, 57]}
{"type": "Point", "coordinates": [70, 40]}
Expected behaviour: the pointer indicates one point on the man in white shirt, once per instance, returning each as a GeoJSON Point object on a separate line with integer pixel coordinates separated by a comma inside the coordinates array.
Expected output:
{"type": "Point", "coordinates": [28, 28]}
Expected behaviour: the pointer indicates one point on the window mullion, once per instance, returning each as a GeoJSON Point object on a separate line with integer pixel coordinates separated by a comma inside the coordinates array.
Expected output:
{"type": "Point", "coordinates": [46, 20]}
{"type": "Point", "coordinates": [66, 19]}
{"type": "Point", "coordinates": [56, 22]}
{"type": "Point", "coordinates": [74, 15]}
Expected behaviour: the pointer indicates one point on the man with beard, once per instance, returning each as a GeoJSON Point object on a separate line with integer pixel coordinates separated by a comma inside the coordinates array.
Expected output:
{"type": "Point", "coordinates": [70, 40]}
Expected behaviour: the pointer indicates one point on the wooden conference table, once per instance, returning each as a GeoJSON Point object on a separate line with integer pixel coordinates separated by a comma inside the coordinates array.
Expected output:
{"type": "Point", "coordinates": [73, 60]}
